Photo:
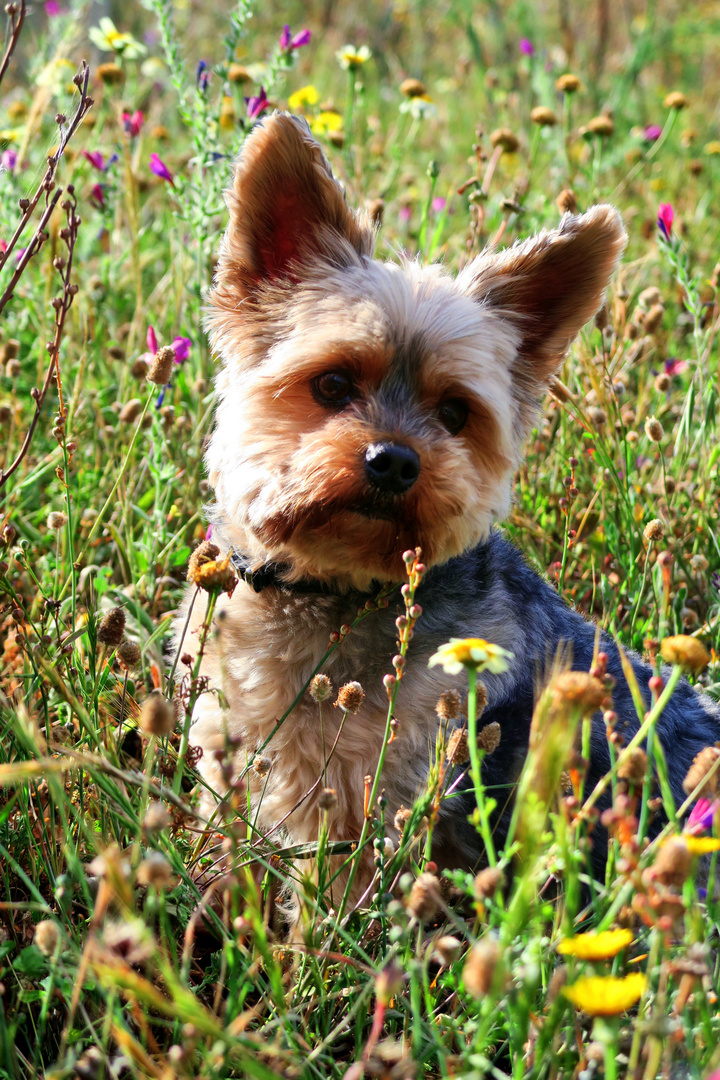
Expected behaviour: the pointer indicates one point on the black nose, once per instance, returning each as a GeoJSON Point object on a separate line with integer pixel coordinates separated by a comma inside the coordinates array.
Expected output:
{"type": "Point", "coordinates": [391, 467]}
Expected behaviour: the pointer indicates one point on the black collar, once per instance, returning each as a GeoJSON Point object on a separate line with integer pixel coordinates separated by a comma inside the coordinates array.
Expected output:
{"type": "Point", "coordinates": [268, 576]}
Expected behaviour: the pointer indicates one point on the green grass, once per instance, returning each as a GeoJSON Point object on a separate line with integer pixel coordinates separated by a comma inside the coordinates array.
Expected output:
{"type": "Point", "coordinates": [138, 975]}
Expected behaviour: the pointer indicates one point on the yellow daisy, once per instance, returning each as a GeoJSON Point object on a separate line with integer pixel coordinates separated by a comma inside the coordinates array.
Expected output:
{"type": "Point", "coordinates": [593, 946]}
{"type": "Point", "coordinates": [306, 95]}
{"type": "Point", "coordinates": [475, 653]}
{"type": "Point", "coordinates": [606, 996]}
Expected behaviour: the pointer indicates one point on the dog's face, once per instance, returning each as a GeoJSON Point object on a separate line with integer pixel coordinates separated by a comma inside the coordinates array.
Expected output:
{"type": "Point", "coordinates": [368, 407]}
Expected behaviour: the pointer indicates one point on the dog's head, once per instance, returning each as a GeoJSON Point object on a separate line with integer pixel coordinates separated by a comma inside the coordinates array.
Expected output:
{"type": "Point", "coordinates": [368, 407]}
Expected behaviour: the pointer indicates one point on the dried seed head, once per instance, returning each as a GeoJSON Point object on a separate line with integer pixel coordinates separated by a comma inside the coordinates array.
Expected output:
{"type": "Point", "coordinates": [686, 651]}
{"type": "Point", "coordinates": [320, 688]}
{"type": "Point", "coordinates": [688, 616]}
{"type": "Point", "coordinates": [46, 937]}
{"type": "Point", "coordinates": [139, 368]}
{"type": "Point", "coordinates": [448, 948]}
{"type": "Point", "coordinates": [489, 737]}
{"type": "Point", "coordinates": [157, 818]}
{"type": "Point", "coordinates": [580, 690]}
{"type": "Point", "coordinates": [675, 100]}
{"type": "Point", "coordinates": [350, 697]}
{"type": "Point", "coordinates": [402, 816]}
{"type": "Point", "coordinates": [653, 318]}
{"type": "Point", "coordinates": [601, 125]}
{"type": "Point", "coordinates": [238, 74]}
{"type": "Point", "coordinates": [654, 429]}
{"type": "Point", "coordinates": [648, 297]}
{"type": "Point", "coordinates": [327, 800]}
{"type": "Point", "coordinates": [161, 366]}
{"type": "Point", "coordinates": [204, 553]}
{"type": "Point", "coordinates": [480, 966]}
{"type": "Point", "coordinates": [425, 897]}
{"type": "Point", "coordinates": [155, 871]}
{"type": "Point", "coordinates": [505, 138]}
{"type": "Point", "coordinates": [698, 564]}
{"type": "Point", "coordinates": [128, 654]}
{"type": "Point", "coordinates": [566, 202]}
{"type": "Point", "coordinates": [412, 88]}
{"type": "Point", "coordinates": [262, 765]}
{"type": "Point", "coordinates": [157, 716]}
{"type": "Point", "coordinates": [698, 772]}
{"type": "Point", "coordinates": [209, 572]}
{"type": "Point", "coordinates": [112, 627]}
{"type": "Point", "coordinates": [662, 382]}
{"type": "Point", "coordinates": [487, 882]}
{"type": "Point", "coordinates": [597, 417]}
{"type": "Point", "coordinates": [57, 520]}
{"type": "Point", "coordinates": [568, 84]}
{"type": "Point", "coordinates": [654, 530]}
{"type": "Point", "coordinates": [449, 706]}
{"type": "Point", "coordinates": [130, 411]}
{"type": "Point", "coordinates": [457, 752]}
{"type": "Point", "coordinates": [673, 863]}
{"type": "Point", "coordinates": [632, 766]}
{"type": "Point", "coordinates": [10, 349]}
{"type": "Point", "coordinates": [543, 116]}
{"type": "Point", "coordinates": [110, 74]}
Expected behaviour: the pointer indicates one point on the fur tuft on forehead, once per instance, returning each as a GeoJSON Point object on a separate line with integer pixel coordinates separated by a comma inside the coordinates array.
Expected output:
{"type": "Point", "coordinates": [286, 209]}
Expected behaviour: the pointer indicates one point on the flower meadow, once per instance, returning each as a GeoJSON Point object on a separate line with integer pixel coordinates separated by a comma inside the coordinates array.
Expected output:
{"type": "Point", "coordinates": [136, 938]}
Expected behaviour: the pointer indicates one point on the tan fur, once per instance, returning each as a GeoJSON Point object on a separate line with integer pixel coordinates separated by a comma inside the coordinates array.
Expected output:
{"type": "Point", "coordinates": [297, 294]}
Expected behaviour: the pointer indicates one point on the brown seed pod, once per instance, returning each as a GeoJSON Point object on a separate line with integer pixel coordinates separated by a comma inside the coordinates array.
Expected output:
{"type": "Point", "coordinates": [568, 83]}
{"type": "Point", "coordinates": [350, 697]}
{"type": "Point", "coordinates": [480, 967]}
{"type": "Point", "coordinates": [457, 752]}
{"type": "Point", "coordinates": [543, 116]}
{"type": "Point", "coordinates": [487, 883]}
{"type": "Point", "coordinates": [449, 706]}
{"type": "Point", "coordinates": [128, 654]}
{"type": "Point", "coordinates": [425, 897]}
{"type": "Point", "coordinates": [157, 716]}
{"type": "Point", "coordinates": [698, 771]}
{"type": "Point", "coordinates": [112, 627]}
{"type": "Point", "coordinates": [412, 88]}
{"type": "Point", "coordinates": [161, 366]}
{"type": "Point", "coordinates": [506, 139]}
{"type": "Point", "coordinates": [601, 125]}
{"type": "Point", "coordinates": [321, 688]}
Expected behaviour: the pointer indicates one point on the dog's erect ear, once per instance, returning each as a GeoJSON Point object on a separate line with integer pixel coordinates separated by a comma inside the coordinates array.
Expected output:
{"type": "Point", "coordinates": [548, 287]}
{"type": "Point", "coordinates": [285, 208]}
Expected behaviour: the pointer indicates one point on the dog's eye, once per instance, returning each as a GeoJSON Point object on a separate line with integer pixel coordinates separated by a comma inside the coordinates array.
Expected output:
{"type": "Point", "coordinates": [333, 388]}
{"type": "Point", "coordinates": [452, 414]}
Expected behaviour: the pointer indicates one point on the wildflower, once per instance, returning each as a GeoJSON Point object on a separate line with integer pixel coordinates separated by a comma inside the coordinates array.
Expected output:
{"type": "Point", "coordinates": [506, 139]}
{"type": "Point", "coordinates": [112, 627]}
{"type": "Point", "coordinates": [181, 348]}
{"type": "Point", "coordinates": [97, 196]}
{"type": "Point", "coordinates": [665, 218]}
{"type": "Point", "coordinates": [673, 863]}
{"type": "Point", "coordinates": [686, 651]}
{"type": "Point", "coordinates": [594, 946]}
{"type": "Point", "coordinates": [425, 897]}
{"type": "Point", "coordinates": [653, 318]}
{"type": "Point", "coordinates": [130, 411]}
{"type": "Point", "coordinates": [702, 845]}
{"type": "Point", "coordinates": [202, 76]}
{"type": "Point", "coordinates": [605, 995]}
{"type": "Point", "coordinates": [128, 654]}
{"type": "Point", "coordinates": [306, 95]}
{"type": "Point", "coordinates": [489, 737]}
{"type": "Point", "coordinates": [652, 132]}
{"type": "Point", "coordinates": [288, 43]}
{"type": "Point", "coordinates": [418, 107]}
{"type": "Point", "coordinates": [57, 520]}
{"type": "Point", "coordinates": [699, 564]}
{"type": "Point", "coordinates": [327, 800]}
{"type": "Point", "coordinates": [130, 941]}
{"type": "Point", "coordinates": [471, 653]}
{"type": "Point", "coordinates": [209, 572]}
{"type": "Point", "coordinates": [237, 73]}
{"type": "Point", "coordinates": [568, 84]}
{"type": "Point", "coordinates": [578, 689]}
{"type": "Point", "coordinates": [526, 47]}
{"type": "Point", "coordinates": [543, 116]}
{"type": "Point", "coordinates": [449, 706]}
{"type": "Point", "coordinates": [157, 716]}
{"type": "Point", "coordinates": [8, 161]}
{"type": "Point", "coordinates": [701, 816]}
{"type": "Point", "coordinates": [457, 752]}
{"type": "Point", "coordinates": [447, 948]}
{"type": "Point", "coordinates": [156, 818]}
{"type": "Point", "coordinates": [673, 366]}
{"type": "Point", "coordinates": [110, 74]}
{"type": "Point", "coordinates": [328, 122]}
{"type": "Point", "coordinates": [47, 937]}
{"type": "Point", "coordinates": [350, 697]}
{"type": "Point", "coordinates": [654, 530]}
{"type": "Point", "coordinates": [600, 125]}
{"type": "Point", "coordinates": [712, 147]}
{"type": "Point", "coordinates": [351, 58]}
{"type": "Point", "coordinates": [675, 100]}
{"type": "Point", "coordinates": [438, 204]}
{"type": "Point", "coordinates": [109, 39]}
{"type": "Point", "coordinates": [132, 123]}
{"type": "Point", "coordinates": [654, 429]}
{"type": "Point", "coordinates": [487, 883]}
{"type": "Point", "coordinates": [256, 105]}
{"type": "Point", "coordinates": [480, 967]}
{"type": "Point", "coordinates": [52, 8]}
{"type": "Point", "coordinates": [155, 871]}
{"type": "Point", "coordinates": [159, 168]}
{"type": "Point", "coordinates": [161, 366]}
{"type": "Point", "coordinates": [701, 772]}
{"type": "Point", "coordinates": [412, 88]}
{"type": "Point", "coordinates": [320, 688]}
{"type": "Point", "coordinates": [96, 159]}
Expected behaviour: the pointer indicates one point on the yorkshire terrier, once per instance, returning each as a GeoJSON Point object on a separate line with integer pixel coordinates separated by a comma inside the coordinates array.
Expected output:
{"type": "Point", "coordinates": [365, 408]}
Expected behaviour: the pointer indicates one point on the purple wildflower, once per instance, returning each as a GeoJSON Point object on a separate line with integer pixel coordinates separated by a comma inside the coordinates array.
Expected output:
{"type": "Point", "coordinates": [665, 218]}
{"type": "Point", "coordinates": [133, 122]}
{"type": "Point", "coordinates": [202, 76]}
{"type": "Point", "coordinates": [526, 47]}
{"type": "Point", "coordinates": [701, 816]}
{"type": "Point", "coordinates": [288, 43]}
{"type": "Point", "coordinates": [152, 341]}
{"type": "Point", "coordinates": [159, 168]}
{"type": "Point", "coordinates": [52, 8]}
{"type": "Point", "coordinates": [96, 159]}
{"type": "Point", "coordinates": [9, 160]}
{"type": "Point", "coordinates": [181, 345]}
{"type": "Point", "coordinates": [257, 105]}
{"type": "Point", "coordinates": [652, 132]}
{"type": "Point", "coordinates": [673, 366]}
{"type": "Point", "coordinates": [97, 196]}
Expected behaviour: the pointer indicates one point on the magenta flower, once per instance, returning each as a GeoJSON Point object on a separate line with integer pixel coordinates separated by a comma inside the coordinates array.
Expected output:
{"type": "Point", "coordinates": [3, 247]}
{"type": "Point", "coordinates": [158, 166]}
{"type": "Point", "coordinates": [673, 366]}
{"type": "Point", "coordinates": [152, 341]}
{"type": "Point", "coordinates": [288, 42]}
{"type": "Point", "coordinates": [526, 47]}
{"type": "Point", "coordinates": [181, 346]}
{"type": "Point", "coordinates": [701, 816]}
{"type": "Point", "coordinates": [404, 214]}
{"type": "Point", "coordinates": [96, 159]}
{"type": "Point", "coordinates": [133, 122]}
{"type": "Point", "coordinates": [97, 196]}
{"type": "Point", "coordinates": [9, 160]}
{"type": "Point", "coordinates": [257, 105]}
{"type": "Point", "coordinates": [665, 218]}
{"type": "Point", "coordinates": [652, 132]}
{"type": "Point", "coordinates": [438, 204]}
{"type": "Point", "coordinates": [52, 7]}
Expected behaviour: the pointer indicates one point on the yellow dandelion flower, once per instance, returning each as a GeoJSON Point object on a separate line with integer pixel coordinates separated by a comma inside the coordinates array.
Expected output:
{"type": "Point", "coordinates": [306, 95]}
{"type": "Point", "coordinates": [325, 122]}
{"type": "Point", "coordinates": [475, 653]}
{"type": "Point", "coordinates": [604, 995]}
{"type": "Point", "coordinates": [702, 845]}
{"type": "Point", "coordinates": [712, 147]}
{"type": "Point", "coordinates": [352, 58]}
{"type": "Point", "coordinates": [592, 946]}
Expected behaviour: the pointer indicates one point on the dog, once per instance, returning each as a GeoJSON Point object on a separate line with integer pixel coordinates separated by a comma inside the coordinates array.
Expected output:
{"type": "Point", "coordinates": [365, 408]}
